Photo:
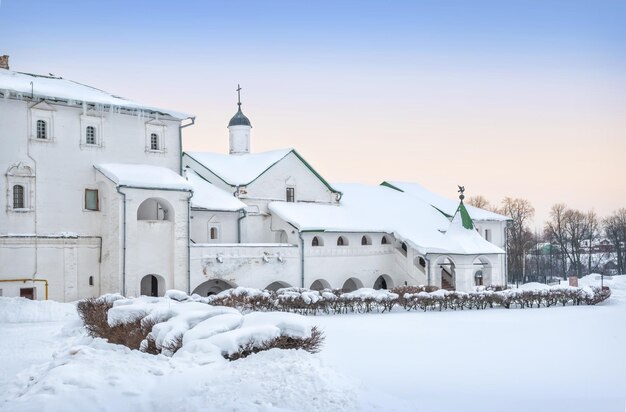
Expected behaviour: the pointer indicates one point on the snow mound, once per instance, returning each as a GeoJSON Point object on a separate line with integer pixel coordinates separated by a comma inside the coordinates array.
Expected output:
{"type": "Point", "coordinates": [21, 310]}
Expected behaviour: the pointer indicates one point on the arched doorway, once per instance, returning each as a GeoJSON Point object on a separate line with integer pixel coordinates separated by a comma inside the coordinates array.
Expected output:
{"type": "Point", "coordinates": [482, 273]}
{"type": "Point", "coordinates": [447, 272]}
{"type": "Point", "coordinates": [383, 282]}
{"type": "Point", "coordinates": [351, 285]}
{"type": "Point", "coordinates": [213, 287]}
{"type": "Point", "coordinates": [320, 284]}
{"type": "Point", "coordinates": [274, 286]}
{"type": "Point", "coordinates": [152, 285]}
{"type": "Point", "coordinates": [155, 209]}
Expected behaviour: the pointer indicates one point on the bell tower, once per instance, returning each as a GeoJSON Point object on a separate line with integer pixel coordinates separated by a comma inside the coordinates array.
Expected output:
{"type": "Point", "coordinates": [239, 130]}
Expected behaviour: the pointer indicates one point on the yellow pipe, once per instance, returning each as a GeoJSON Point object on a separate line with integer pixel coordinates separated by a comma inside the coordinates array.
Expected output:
{"type": "Point", "coordinates": [28, 280]}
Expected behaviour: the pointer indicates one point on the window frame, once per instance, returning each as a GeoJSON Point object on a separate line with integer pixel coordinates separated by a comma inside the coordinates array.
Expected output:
{"type": "Point", "coordinates": [158, 128]}
{"type": "Point", "coordinates": [22, 199]}
{"type": "Point", "coordinates": [290, 194]}
{"type": "Point", "coordinates": [41, 129]}
{"type": "Point", "coordinates": [86, 204]}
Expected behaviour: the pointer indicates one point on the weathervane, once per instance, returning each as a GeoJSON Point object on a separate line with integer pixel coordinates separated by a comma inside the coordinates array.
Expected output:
{"type": "Point", "coordinates": [239, 96]}
{"type": "Point", "coordinates": [461, 190]}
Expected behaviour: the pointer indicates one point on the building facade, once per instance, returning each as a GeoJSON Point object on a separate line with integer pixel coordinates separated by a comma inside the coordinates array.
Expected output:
{"type": "Point", "coordinates": [99, 197]}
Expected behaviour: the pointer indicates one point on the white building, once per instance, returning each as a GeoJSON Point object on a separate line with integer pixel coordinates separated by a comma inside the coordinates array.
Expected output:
{"type": "Point", "coordinates": [77, 212]}
{"type": "Point", "coordinates": [95, 203]}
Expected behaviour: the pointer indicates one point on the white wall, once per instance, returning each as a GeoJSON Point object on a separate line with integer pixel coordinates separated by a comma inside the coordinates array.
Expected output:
{"type": "Point", "coordinates": [63, 168]}
{"type": "Point", "coordinates": [226, 222]}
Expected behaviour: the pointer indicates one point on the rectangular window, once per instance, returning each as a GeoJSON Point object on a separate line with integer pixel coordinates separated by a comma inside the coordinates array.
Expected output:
{"type": "Point", "coordinates": [291, 194]}
{"type": "Point", "coordinates": [91, 199]}
{"type": "Point", "coordinates": [42, 132]}
{"type": "Point", "coordinates": [18, 197]}
{"type": "Point", "coordinates": [488, 235]}
{"type": "Point", "coordinates": [154, 141]}
{"type": "Point", "coordinates": [90, 137]}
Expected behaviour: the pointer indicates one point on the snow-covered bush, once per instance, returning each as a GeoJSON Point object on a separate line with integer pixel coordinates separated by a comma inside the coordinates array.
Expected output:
{"type": "Point", "coordinates": [189, 325]}
{"type": "Point", "coordinates": [311, 302]}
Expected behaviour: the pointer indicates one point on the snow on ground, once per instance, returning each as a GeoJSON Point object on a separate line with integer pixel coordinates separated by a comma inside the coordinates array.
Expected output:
{"type": "Point", "coordinates": [558, 358]}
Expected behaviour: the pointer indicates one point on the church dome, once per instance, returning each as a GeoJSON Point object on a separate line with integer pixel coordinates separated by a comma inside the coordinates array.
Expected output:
{"type": "Point", "coordinates": [239, 119]}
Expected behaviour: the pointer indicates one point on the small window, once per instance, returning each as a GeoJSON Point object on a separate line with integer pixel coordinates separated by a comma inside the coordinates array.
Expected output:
{"type": "Point", "coordinates": [154, 141]}
{"type": "Point", "coordinates": [422, 262]}
{"type": "Point", "coordinates": [404, 246]}
{"type": "Point", "coordinates": [488, 235]}
{"type": "Point", "coordinates": [42, 129]}
{"type": "Point", "coordinates": [90, 280]}
{"type": "Point", "coordinates": [91, 199]}
{"type": "Point", "coordinates": [342, 241]}
{"type": "Point", "coordinates": [384, 241]}
{"type": "Point", "coordinates": [90, 135]}
{"type": "Point", "coordinates": [18, 197]}
{"type": "Point", "coordinates": [213, 234]}
{"type": "Point", "coordinates": [317, 242]}
{"type": "Point", "coordinates": [365, 240]}
{"type": "Point", "coordinates": [291, 194]}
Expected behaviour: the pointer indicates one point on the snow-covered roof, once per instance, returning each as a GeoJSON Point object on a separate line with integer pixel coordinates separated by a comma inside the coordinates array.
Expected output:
{"type": "Point", "coordinates": [445, 205]}
{"type": "Point", "coordinates": [143, 176]}
{"type": "Point", "coordinates": [238, 170]}
{"type": "Point", "coordinates": [365, 208]}
{"type": "Point", "coordinates": [57, 88]}
{"type": "Point", "coordinates": [210, 197]}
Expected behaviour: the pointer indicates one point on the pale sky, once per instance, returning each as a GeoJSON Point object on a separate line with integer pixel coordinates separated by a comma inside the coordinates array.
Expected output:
{"type": "Point", "coordinates": [521, 98]}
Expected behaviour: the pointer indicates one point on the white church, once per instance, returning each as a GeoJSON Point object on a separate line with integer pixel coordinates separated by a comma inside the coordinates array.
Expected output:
{"type": "Point", "coordinates": [99, 197]}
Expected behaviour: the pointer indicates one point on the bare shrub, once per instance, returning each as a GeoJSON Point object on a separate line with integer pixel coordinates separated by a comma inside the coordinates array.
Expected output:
{"type": "Point", "coordinates": [312, 344]}
{"type": "Point", "coordinates": [93, 312]}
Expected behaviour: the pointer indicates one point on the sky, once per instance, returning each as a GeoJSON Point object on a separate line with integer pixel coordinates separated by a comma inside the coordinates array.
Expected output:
{"type": "Point", "coordinates": [515, 98]}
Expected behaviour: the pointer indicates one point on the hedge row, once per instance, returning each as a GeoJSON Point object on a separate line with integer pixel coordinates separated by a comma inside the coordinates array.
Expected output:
{"type": "Point", "coordinates": [311, 302]}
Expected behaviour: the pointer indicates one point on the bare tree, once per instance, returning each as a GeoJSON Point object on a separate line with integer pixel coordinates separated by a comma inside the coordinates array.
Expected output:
{"type": "Point", "coordinates": [518, 233]}
{"type": "Point", "coordinates": [615, 229]}
{"type": "Point", "coordinates": [479, 201]}
{"type": "Point", "coordinates": [568, 227]}
{"type": "Point", "coordinates": [592, 234]}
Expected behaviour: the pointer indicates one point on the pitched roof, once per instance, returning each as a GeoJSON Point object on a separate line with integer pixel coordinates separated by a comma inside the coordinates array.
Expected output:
{"type": "Point", "coordinates": [243, 169]}
{"type": "Point", "coordinates": [57, 88]}
{"type": "Point", "coordinates": [441, 203]}
{"type": "Point", "coordinates": [210, 197]}
{"type": "Point", "coordinates": [143, 176]}
{"type": "Point", "coordinates": [365, 208]}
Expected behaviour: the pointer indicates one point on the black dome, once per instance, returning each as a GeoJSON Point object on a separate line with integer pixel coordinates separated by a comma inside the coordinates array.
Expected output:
{"type": "Point", "coordinates": [239, 119]}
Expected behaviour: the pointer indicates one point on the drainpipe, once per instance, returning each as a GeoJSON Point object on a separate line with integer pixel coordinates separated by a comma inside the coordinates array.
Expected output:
{"type": "Point", "coordinates": [123, 241]}
{"type": "Point", "coordinates": [188, 242]}
{"type": "Point", "coordinates": [34, 191]}
{"type": "Point", "coordinates": [301, 258]}
{"type": "Point", "coordinates": [180, 140]}
{"type": "Point", "coordinates": [244, 214]}
{"type": "Point", "coordinates": [427, 269]}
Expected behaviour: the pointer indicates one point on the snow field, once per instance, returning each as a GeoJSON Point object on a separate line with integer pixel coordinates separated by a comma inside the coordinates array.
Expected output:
{"type": "Point", "coordinates": [547, 359]}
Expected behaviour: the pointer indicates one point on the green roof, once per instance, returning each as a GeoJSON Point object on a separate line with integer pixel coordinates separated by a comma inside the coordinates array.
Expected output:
{"type": "Point", "coordinates": [466, 219]}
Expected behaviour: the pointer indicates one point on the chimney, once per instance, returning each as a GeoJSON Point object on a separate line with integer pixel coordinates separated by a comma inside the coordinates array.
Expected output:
{"type": "Point", "coordinates": [4, 62]}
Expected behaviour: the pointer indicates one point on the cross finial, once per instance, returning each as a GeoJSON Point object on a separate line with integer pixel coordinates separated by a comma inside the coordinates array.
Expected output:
{"type": "Point", "coordinates": [461, 190]}
{"type": "Point", "coordinates": [239, 95]}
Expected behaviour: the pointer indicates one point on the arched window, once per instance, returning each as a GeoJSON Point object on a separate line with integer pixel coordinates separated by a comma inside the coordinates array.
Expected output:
{"type": "Point", "coordinates": [365, 240]}
{"type": "Point", "coordinates": [384, 241]}
{"type": "Point", "coordinates": [90, 135]}
{"type": "Point", "coordinates": [422, 262]}
{"type": "Point", "coordinates": [317, 241]}
{"type": "Point", "coordinates": [213, 233]}
{"type": "Point", "coordinates": [42, 129]}
{"type": "Point", "coordinates": [404, 247]}
{"type": "Point", "coordinates": [18, 197]}
{"type": "Point", "coordinates": [154, 141]}
{"type": "Point", "coordinates": [342, 241]}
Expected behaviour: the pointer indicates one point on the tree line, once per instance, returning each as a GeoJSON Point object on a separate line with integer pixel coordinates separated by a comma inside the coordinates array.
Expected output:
{"type": "Point", "coordinates": [571, 243]}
